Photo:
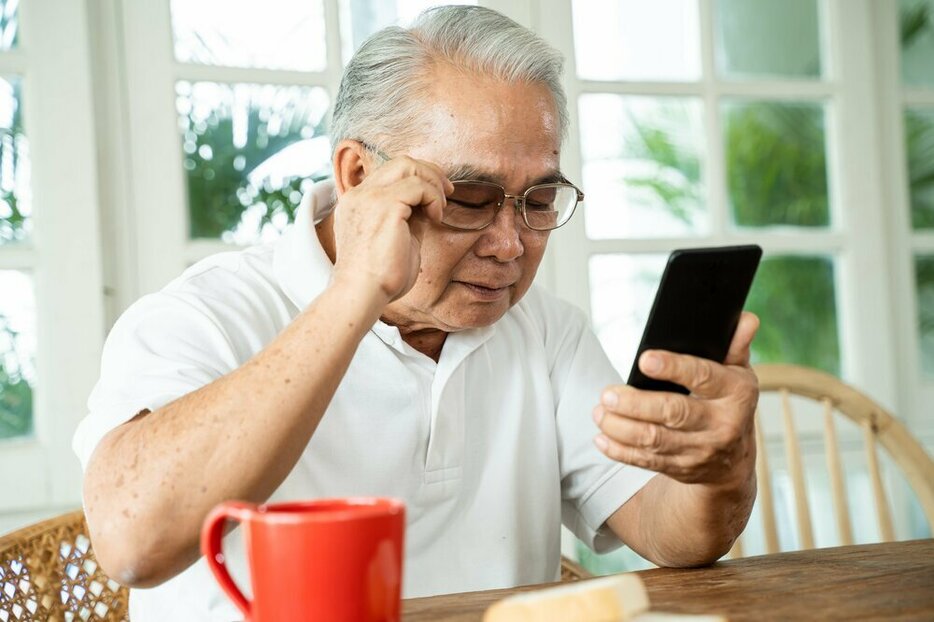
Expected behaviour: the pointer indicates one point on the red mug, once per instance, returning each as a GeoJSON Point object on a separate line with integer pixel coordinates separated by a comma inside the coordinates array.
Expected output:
{"type": "Point", "coordinates": [328, 559]}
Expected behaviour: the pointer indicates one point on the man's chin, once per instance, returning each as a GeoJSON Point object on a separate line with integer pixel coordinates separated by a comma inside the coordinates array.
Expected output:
{"type": "Point", "coordinates": [478, 315]}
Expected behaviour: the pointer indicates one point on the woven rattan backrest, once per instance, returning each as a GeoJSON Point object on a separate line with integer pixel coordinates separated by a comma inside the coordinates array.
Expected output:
{"type": "Point", "coordinates": [48, 572]}
{"type": "Point", "coordinates": [878, 427]}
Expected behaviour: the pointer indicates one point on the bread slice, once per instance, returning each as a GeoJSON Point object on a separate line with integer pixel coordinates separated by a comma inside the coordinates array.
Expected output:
{"type": "Point", "coordinates": [610, 599]}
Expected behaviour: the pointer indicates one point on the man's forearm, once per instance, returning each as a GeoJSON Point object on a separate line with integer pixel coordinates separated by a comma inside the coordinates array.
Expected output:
{"type": "Point", "coordinates": [677, 525]}
{"type": "Point", "coordinates": [151, 481]}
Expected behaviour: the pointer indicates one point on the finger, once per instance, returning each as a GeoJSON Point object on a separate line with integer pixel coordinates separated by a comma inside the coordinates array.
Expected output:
{"type": "Point", "coordinates": [674, 465]}
{"type": "Point", "coordinates": [701, 376]}
{"type": "Point", "coordinates": [404, 166]}
{"type": "Point", "coordinates": [672, 410]}
{"type": "Point", "coordinates": [448, 186]}
{"type": "Point", "coordinates": [415, 191]}
{"type": "Point", "coordinates": [648, 436]}
{"type": "Point", "coordinates": [742, 339]}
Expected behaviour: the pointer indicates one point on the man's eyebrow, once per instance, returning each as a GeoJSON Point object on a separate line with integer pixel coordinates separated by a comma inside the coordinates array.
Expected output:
{"type": "Point", "coordinates": [473, 173]}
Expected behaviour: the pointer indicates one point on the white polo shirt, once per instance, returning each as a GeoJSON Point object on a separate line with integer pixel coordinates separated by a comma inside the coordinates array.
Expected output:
{"type": "Point", "coordinates": [490, 448]}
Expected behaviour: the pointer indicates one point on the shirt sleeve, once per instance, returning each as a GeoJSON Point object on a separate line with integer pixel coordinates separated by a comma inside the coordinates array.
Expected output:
{"type": "Point", "coordinates": [593, 486]}
{"type": "Point", "coordinates": [164, 346]}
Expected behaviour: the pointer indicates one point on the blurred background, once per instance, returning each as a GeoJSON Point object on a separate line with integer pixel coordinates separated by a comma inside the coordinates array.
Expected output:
{"type": "Point", "coordinates": [138, 137]}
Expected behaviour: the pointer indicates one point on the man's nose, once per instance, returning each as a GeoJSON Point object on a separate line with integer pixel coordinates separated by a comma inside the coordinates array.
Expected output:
{"type": "Point", "coordinates": [501, 239]}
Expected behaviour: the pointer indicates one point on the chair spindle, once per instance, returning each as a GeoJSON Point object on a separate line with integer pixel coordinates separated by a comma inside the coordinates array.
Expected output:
{"type": "Point", "coordinates": [878, 490]}
{"type": "Point", "coordinates": [793, 457]}
{"type": "Point", "coordinates": [764, 477]}
{"type": "Point", "coordinates": [837, 484]}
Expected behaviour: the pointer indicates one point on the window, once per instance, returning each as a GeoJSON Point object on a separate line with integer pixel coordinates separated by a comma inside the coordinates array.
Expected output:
{"type": "Point", "coordinates": [51, 301]}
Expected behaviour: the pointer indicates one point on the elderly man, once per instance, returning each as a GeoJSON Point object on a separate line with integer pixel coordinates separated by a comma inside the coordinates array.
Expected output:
{"type": "Point", "coordinates": [391, 343]}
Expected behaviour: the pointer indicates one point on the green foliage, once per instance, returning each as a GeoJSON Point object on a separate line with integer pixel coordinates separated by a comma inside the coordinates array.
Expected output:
{"type": "Point", "coordinates": [924, 275]}
{"type": "Point", "coordinates": [776, 167]}
{"type": "Point", "coordinates": [914, 20]}
{"type": "Point", "coordinates": [919, 142]}
{"type": "Point", "coordinates": [9, 24]}
{"type": "Point", "coordinates": [218, 169]}
{"type": "Point", "coordinates": [15, 391]}
{"type": "Point", "coordinates": [676, 178]}
{"type": "Point", "coordinates": [794, 297]}
{"type": "Point", "coordinates": [13, 222]}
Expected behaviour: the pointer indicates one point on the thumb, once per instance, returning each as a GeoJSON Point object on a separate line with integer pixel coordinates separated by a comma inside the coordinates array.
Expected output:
{"type": "Point", "coordinates": [742, 340]}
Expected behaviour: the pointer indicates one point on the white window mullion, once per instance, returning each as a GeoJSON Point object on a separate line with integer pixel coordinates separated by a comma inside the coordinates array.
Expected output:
{"type": "Point", "coordinates": [335, 62]}
{"type": "Point", "coordinates": [856, 197]}
{"type": "Point", "coordinates": [231, 75]}
{"type": "Point", "coordinates": [158, 189]}
{"type": "Point", "coordinates": [18, 258]}
{"type": "Point", "coordinates": [774, 243]}
{"type": "Point", "coordinates": [718, 204]}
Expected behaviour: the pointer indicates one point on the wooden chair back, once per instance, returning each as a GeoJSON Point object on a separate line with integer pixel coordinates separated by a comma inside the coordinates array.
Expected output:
{"type": "Point", "coordinates": [878, 427]}
{"type": "Point", "coordinates": [48, 572]}
{"type": "Point", "coordinates": [572, 571]}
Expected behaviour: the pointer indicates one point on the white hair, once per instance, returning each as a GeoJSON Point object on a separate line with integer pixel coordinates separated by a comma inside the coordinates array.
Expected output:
{"type": "Point", "coordinates": [379, 98]}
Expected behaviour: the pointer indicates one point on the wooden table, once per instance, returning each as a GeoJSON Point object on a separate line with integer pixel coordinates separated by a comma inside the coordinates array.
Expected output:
{"type": "Point", "coordinates": [893, 581]}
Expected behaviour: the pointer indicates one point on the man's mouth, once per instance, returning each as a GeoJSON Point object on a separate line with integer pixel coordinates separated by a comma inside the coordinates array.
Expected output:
{"type": "Point", "coordinates": [487, 291]}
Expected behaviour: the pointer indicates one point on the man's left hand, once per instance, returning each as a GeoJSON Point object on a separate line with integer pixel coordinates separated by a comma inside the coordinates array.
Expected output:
{"type": "Point", "coordinates": [706, 437]}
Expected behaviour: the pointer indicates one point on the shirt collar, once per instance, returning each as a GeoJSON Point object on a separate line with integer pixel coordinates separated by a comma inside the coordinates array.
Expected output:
{"type": "Point", "coordinates": [303, 270]}
{"type": "Point", "coordinates": [300, 264]}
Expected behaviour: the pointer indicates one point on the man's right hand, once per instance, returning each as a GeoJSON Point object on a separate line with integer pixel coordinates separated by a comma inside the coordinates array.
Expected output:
{"type": "Point", "coordinates": [371, 223]}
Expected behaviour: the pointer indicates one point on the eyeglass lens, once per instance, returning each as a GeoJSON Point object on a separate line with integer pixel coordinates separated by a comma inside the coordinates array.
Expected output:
{"type": "Point", "coordinates": [473, 205]}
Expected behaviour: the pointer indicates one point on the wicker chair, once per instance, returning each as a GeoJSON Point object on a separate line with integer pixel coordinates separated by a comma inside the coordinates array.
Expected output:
{"type": "Point", "coordinates": [878, 428]}
{"type": "Point", "coordinates": [48, 572]}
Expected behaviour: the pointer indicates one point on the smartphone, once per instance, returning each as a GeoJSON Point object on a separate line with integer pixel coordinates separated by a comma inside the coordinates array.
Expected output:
{"type": "Point", "coordinates": [697, 306]}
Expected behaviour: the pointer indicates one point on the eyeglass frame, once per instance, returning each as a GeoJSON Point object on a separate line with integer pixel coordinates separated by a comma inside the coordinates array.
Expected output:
{"type": "Point", "coordinates": [518, 200]}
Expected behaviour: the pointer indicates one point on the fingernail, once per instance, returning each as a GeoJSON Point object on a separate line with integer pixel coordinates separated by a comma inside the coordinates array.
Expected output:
{"type": "Point", "coordinates": [601, 443]}
{"type": "Point", "coordinates": [597, 415]}
{"type": "Point", "coordinates": [651, 364]}
{"type": "Point", "coordinates": [609, 399]}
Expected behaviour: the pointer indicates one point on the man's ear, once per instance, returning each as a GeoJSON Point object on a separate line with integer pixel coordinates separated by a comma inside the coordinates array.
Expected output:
{"type": "Point", "coordinates": [352, 163]}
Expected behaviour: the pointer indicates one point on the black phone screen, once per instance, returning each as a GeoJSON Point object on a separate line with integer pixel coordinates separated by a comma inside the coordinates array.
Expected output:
{"type": "Point", "coordinates": [697, 306]}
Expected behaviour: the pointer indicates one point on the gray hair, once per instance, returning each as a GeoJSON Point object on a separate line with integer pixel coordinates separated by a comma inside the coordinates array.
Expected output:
{"type": "Point", "coordinates": [379, 95]}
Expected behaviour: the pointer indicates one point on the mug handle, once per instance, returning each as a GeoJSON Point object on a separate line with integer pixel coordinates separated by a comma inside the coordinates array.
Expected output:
{"type": "Point", "coordinates": [212, 534]}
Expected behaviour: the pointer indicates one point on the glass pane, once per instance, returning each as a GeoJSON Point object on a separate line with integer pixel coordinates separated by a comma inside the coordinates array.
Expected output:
{"type": "Point", "coordinates": [924, 278]}
{"type": "Point", "coordinates": [622, 288]}
{"type": "Point", "coordinates": [15, 196]}
{"type": "Point", "coordinates": [643, 166]}
{"type": "Point", "coordinates": [919, 141]}
{"type": "Point", "coordinates": [776, 164]}
{"type": "Point", "coordinates": [361, 18]}
{"type": "Point", "coordinates": [17, 353]}
{"type": "Point", "coordinates": [794, 297]}
{"type": "Point", "coordinates": [768, 38]}
{"type": "Point", "coordinates": [279, 34]}
{"type": "Point", "coordinates": [9, 24]}
{"type": "Point", "coordinates": [249, 150]}
{"type": "Point", "coordinates": [637, 40]}
{"type": "Point", "coordinates": [917, 39]}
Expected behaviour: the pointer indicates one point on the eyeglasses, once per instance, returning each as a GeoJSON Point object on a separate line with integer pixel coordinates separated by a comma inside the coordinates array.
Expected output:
{"type": "Point", "coordinates": [474, 204]}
